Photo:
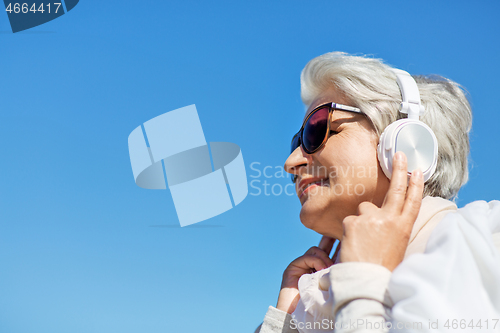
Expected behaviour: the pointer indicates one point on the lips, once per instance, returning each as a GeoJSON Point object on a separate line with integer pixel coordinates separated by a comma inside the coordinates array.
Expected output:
{"type": "Point", "coordinates": [308, 183]}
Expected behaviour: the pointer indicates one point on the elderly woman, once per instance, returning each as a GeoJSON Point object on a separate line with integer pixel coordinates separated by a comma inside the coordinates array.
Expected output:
{"type": "Point", "coordinates": [400, 262]}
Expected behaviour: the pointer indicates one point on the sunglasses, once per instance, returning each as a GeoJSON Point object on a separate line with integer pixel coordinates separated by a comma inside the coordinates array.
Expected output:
{"type": "Point", "coordinates": [315, 129]}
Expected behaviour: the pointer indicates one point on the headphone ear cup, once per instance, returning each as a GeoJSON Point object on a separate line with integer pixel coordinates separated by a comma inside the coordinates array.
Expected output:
{"type": "Point", "coordinates": [415, 139]}
{"type": "Point", "coordinates": [385, 152]}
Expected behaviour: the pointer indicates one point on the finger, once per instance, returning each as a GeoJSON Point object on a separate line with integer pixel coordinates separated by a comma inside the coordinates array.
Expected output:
{"type": "Point", "coordinates": [316, 251]}
{"type": "Point", "coordinates": [366, 207]}
{"type": "Point", "coordinates": [309, 261]}
{"type": "Point", "coordinates": [394, 200]}
{"type": "Point", "coordinates": [414, 196]}
{"type": "Point", "coordinates": [336, 254]}
{"type": "Point", "coordinates": [326, 244]}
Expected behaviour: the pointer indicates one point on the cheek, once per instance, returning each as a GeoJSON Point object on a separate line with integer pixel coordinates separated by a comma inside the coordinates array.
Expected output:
{"type": "Point", "coordinates": [356, 157]}
{"type": "Point", "coordinates": [373, 179]}
{"type": "Point", "coordinates": [367, 161]}
{"type": "Point", "coordinates": [341, 152]}
{"type": "Point", "coordinates": [363, 148]}
{"type": "Point", "coordinates": [358, 165]}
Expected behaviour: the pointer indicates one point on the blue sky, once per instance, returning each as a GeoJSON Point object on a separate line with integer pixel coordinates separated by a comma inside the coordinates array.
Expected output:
{"type": "Point", "coordinates": [83, 249]}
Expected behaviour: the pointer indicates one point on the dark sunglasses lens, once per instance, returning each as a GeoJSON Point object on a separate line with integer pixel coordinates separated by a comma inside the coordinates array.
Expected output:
{"type": "Point", "coordinates": [295, 143]}
{"type": "Point", "coordinates": [315, 129]}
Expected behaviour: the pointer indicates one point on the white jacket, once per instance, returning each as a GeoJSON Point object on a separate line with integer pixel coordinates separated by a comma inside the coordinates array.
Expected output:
{"type": "Point", "coordinates": [449, 281]}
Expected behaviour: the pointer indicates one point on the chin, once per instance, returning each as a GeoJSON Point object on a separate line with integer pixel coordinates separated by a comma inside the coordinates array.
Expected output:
{"type": "Point", "coordinates": [322, 216]}
{"type": "Point", "coordinates": [314, 214]}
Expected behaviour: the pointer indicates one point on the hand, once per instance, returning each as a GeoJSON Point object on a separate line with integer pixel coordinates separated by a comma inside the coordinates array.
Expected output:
{"type": "Point", "coordinates": [315, 259]}
{"type": "Point", "coordinates": [381, 235]}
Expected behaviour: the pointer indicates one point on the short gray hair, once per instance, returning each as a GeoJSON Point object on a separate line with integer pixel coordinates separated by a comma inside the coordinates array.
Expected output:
{"type": "Point", "coordinates": [370, 85]}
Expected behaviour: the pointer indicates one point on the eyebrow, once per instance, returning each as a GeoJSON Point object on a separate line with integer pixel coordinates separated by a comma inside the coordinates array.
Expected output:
{"type": "Point", "coordinates": [343, 120]}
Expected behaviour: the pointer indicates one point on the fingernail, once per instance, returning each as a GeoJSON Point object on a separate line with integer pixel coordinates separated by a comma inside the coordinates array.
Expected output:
{"type": "Point", "coordinates": [418, 174]}
{"type": "Point", "coordinates": [399, 156]}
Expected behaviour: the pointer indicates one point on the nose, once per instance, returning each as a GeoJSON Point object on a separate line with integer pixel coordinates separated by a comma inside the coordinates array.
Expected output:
{"type": "Point", "coordinates": [297, 159]}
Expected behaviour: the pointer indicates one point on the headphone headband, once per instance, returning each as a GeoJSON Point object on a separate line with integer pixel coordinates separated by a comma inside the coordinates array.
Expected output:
{"type": "Point", "coordinates": [410, 95]}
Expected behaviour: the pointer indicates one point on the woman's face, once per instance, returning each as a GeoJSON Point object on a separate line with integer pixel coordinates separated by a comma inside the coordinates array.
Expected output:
{"type": "Point", "coordinates": [333, 181]}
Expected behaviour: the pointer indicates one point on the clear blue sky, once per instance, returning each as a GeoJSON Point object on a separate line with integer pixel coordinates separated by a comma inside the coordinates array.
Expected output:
{"type": "Point", "coordinates": [83, 249]}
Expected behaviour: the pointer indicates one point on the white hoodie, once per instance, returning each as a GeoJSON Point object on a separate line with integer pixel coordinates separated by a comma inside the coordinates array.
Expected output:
{"type": "Point", "coordinates": [449, 281]}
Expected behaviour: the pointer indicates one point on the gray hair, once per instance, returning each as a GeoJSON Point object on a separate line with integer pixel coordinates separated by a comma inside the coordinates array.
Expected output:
{"type": "Point", "coordinates": [370, 85]}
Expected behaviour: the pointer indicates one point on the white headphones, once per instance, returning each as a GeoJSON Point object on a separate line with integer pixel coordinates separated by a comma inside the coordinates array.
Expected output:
{"type": "Point", "coordinates": [409, 135]}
